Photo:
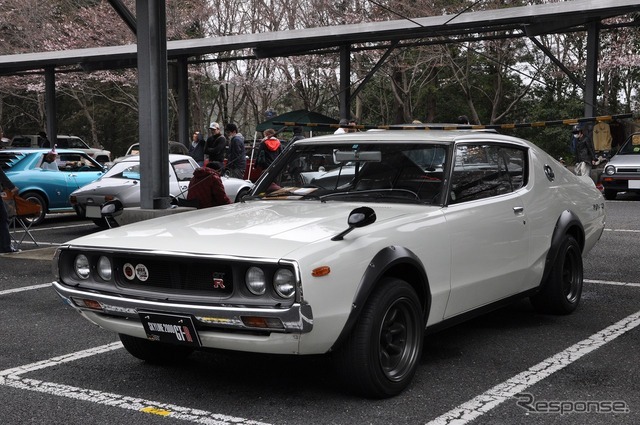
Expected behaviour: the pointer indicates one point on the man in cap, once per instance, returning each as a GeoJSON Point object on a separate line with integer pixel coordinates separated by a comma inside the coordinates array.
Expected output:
{"type": "Point", "coordinates": [585, 152]}
{"type": "Point", "coordinates": [216, 143]}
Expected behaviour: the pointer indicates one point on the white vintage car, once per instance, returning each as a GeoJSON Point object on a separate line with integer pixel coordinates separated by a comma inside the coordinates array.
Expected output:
{"type": "Point", "coordinates": [423, 229]}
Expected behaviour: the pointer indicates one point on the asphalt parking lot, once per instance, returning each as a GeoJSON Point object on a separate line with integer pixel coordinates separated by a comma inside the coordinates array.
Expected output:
{"type": "Point", "coordinates": [510, 366]}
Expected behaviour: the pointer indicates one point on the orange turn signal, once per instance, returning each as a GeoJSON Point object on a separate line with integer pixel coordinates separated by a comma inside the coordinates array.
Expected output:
{"type": "Point", "coordinates": [321, 271]}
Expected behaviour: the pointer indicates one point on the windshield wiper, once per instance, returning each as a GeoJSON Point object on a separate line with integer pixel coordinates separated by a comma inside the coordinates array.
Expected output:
{"type": "Point", "coordinates": [379, 194]}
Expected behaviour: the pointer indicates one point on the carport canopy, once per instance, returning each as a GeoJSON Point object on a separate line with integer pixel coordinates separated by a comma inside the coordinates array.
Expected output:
{"type": "Point", "coordinates": [299, 116]}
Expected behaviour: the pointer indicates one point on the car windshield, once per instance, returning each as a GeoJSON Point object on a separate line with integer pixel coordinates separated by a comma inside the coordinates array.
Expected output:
{"type": "Point", "coordinates": [632, 147]}
{"type": "Point", "coordinates": [391, 172]}
{"type": "Point", "coordinates": [124, 170]}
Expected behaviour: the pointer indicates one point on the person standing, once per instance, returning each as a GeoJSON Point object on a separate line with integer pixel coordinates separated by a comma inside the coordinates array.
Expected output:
{"type": "Point", "coordinates": [237, 156]}
{"type": "Point", "coordinates": [585, 153]}
{"type": "Point", "coordinates": [196, 150]}
{"type": "Point", "coordinates": [216, 144]}
{"type": "Point", "coordinates": [269, 149]}
{"type": "Point", "coordinates": [5, 236]}
{"type": "Point", "coordinates": [206, 186]}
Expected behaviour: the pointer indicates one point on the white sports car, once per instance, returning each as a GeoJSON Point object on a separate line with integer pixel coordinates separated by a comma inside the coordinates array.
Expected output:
{"type": "Point", "coordinates": [351, 245]}
{"type": "Point", "coordinates": [122, 182]}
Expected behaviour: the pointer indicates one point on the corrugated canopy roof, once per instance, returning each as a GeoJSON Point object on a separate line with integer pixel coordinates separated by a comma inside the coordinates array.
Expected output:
{"type": "Point", "coordinates": [512, 22]}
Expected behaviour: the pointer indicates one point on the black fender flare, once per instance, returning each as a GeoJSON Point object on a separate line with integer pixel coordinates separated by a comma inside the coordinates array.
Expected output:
{"type": "Point", "coordinates": [382, 262]}
{"type": "Point", "coordinates": [568, 223]}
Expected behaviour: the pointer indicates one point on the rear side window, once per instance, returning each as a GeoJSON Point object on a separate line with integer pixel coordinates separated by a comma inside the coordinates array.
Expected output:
{"type": "Point", "coordinates": [485, 170]}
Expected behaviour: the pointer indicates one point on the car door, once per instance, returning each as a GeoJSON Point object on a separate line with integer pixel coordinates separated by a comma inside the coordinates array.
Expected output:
{"type": "Point", "coordinates": [180, 175]}
{"type": "Point", "coordinates": [78, 170]}
{"type": "Point", "coordinates": [487, 225]}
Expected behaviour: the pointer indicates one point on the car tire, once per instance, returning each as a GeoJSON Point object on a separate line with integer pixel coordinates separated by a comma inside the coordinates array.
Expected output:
{"type": "Point", "coordinates": [38, 199]}
{"type": "Point", "coordinates": [242, 192]}
{"type": "Point", "coordinates": [80, 212]}
{"type": "Point", "coordinates": [561, 292]}
{"type": "Point", "coordinates": [381, 355]}
{"type": "Point", "coordinates": [152, 351]}
{"type": "Point", "coordinates": [610, 195]}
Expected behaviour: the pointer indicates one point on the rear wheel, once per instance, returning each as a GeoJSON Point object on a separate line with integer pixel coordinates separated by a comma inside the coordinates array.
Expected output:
{"type": "Point", "coordinates": [154, 352]}
{"type": "Point", "coordinates": [38, 199]}
{"type": "Point", "coordinates": [241, 193]}
{"type": "Point", "coordinates": [561, 292]}
{"type": "Point", "coordinates": [610, 194]}
{"type": "Point", "coordinates": [380, 357]}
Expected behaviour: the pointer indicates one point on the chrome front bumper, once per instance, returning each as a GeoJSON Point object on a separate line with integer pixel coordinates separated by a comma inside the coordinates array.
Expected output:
{"type": "Point", "coordinates": [295, 319]}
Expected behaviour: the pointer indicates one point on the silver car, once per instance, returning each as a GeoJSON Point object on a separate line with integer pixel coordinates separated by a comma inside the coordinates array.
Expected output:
{"type": "Point", "coordinates": [122, 182]}
{"type": "Point", "coordinates": [622, 173]}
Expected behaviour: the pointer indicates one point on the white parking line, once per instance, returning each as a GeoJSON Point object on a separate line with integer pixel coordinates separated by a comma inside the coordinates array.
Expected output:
{"type": "Point", "coordinates": [483, 403]}
{"type": "Point", "coordinates": [12, 378]}
{"type": "Point", "coordinates": [24, 288]}
{"type": "Point", "coordinates": [609, 282]}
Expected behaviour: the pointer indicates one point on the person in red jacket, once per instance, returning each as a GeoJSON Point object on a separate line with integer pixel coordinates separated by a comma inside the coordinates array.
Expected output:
{"type": "Point", "coordinates": [206, 186]}
{"type": "Point", "coordinates": [269, 149]}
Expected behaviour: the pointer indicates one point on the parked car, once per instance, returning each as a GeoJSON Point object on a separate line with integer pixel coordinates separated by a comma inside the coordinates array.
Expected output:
{"type": "Point", "coordinates": [65, 142]}
{"type": "Point", "coordinates": [429, 228]}
{"type": "Point", "coordinates": [622, 173]}
{"type": "Point", "coordinates": [49, 188]}
{"type": "Point", "coordinates": [122, 182]}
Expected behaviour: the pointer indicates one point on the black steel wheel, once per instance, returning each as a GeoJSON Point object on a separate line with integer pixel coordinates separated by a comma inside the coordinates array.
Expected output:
{"type": "Point", "coordinates": [561, 292]}
{"type": "Point", "coordinates": [380, 357]}
{"type": "Point", "coordinates": [152, 351]}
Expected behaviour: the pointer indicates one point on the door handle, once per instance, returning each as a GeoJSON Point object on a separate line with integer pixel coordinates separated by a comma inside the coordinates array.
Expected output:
{"type": "Point", "coordinates": [518, 210]}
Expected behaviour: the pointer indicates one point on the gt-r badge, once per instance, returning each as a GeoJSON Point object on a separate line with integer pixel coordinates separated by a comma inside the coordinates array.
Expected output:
{"type": "Point", "coordinates": [218, 281]}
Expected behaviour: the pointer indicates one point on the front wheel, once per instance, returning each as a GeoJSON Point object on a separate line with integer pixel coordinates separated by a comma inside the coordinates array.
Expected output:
{"type": "Point", "coordinates": [561, 292]}
{"type": "Point", "coordinates": [152, 351]}
{"type": "Point", "coordinates": [380, 357]}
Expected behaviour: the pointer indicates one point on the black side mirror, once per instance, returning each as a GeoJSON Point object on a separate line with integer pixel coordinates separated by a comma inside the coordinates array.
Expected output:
{"type": "Point", "coordinates": [359, 217]}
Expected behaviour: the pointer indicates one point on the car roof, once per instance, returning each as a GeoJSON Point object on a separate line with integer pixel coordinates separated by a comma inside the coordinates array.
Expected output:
{"type": "Point", "coordinates": [383, 136]}
{"type": "Point", "coordinates": [136, 158]}
{"type": "Point", "coordinates": [41, 150]}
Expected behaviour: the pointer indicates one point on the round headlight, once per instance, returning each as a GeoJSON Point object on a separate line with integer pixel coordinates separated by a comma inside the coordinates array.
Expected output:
{"type": "Point", "coordinates": [255, 281]}
{"type": "Point", "coordinates": [284, 283]}
{"type": "Point", "coordinates": [82, 266]}
{"type": "Point", "coordinates": [610, 170]}
{"type": "Point", "coordinates": [104, 268]}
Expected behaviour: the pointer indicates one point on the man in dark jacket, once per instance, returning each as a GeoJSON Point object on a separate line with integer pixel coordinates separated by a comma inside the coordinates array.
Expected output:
{"type": "Point", "coordinates": [216, 143]}
{"type": "Point", "coordinates": [206, 187]}
{"type": "Point", "coordinates": [585, 153]}
{"type": "Point", "coordinates": [269, 149]}
{"type": "Point", "coordinates": [5, 236]}
{"type": "Point", "coordinates": [237, 157]}
{"type": "Point", "coordinates": [196, 150]}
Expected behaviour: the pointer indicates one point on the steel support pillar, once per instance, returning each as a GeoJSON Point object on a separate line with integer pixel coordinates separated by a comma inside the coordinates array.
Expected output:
{"type": "Point", "coordinates": [153, 104]}
{"type": "Point", "coordinates": [182, 87]}
{"type": "Point", "coordinates": [591, 87]}
{"type": "Point", "coordinates": [345, 81]}
{"type": "Point", "coordinates": [50, 104]}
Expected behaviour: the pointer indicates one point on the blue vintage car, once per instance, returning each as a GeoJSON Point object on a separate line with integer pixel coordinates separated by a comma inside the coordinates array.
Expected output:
{"type": "Point", "coordinates": [49, 187]}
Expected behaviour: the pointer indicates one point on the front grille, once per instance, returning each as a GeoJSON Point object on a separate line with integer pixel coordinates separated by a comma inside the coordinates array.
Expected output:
{"type": "Point", "coordinates": [629, 170]}
{"type": "Point", "coordinates": [213, 277]}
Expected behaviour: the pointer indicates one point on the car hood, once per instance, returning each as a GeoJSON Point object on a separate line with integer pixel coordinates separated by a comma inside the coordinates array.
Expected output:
{"type": "Point", "coordinates": [625, 160]}
{"type": "Point", "coordinates": [265, 229]}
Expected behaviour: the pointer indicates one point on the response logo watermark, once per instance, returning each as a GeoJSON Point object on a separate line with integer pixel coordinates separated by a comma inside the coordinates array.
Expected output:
{"type": "Point", "coordinates": [566, 407]}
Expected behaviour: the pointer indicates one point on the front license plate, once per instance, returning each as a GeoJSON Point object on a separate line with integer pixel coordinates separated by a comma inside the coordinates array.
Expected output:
{"type": "Point", "coordinates": [634, 184]}
{"type": "Point", "coordinates": [93, 211]}
{"type": "Point", "coordinates": [170, 328]}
